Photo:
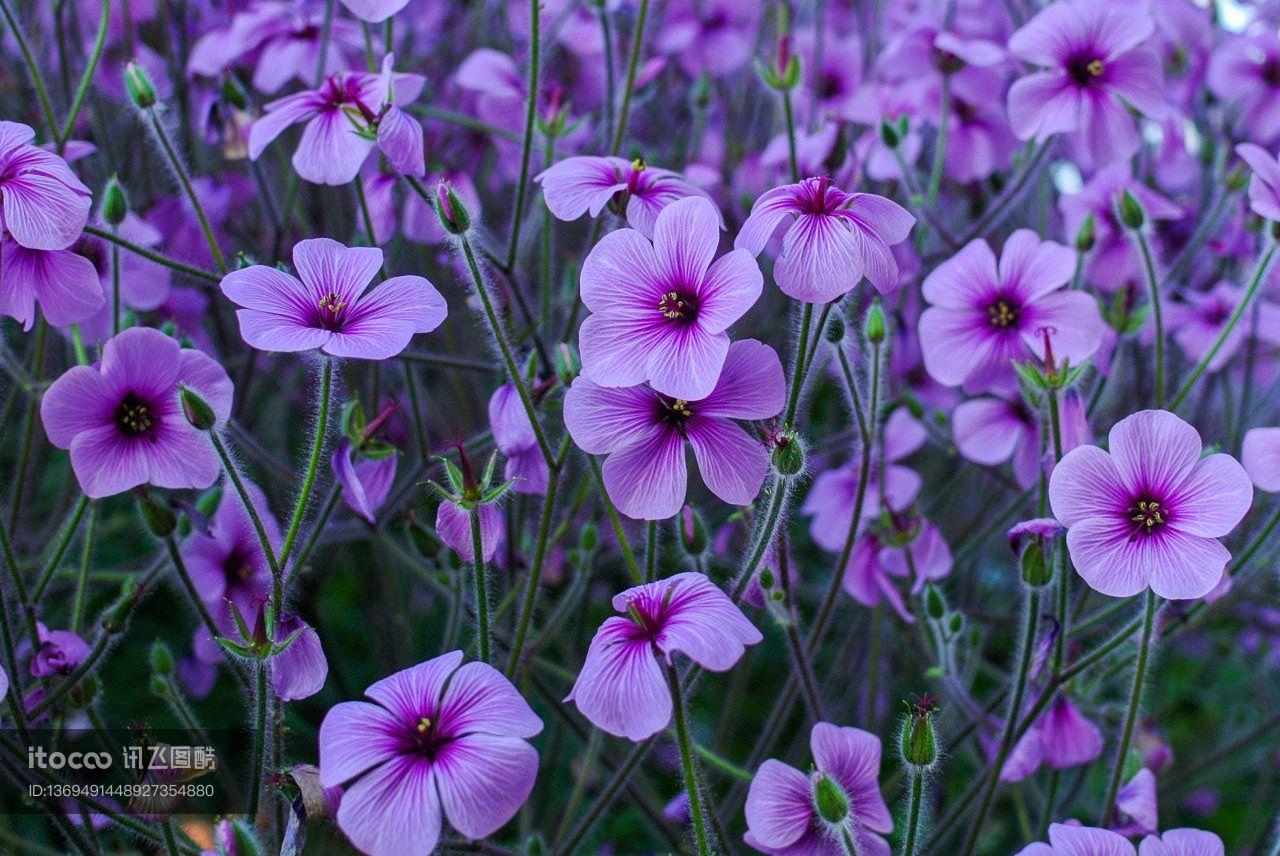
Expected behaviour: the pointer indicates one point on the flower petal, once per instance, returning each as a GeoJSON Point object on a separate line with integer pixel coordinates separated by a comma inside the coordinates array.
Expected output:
{"type": "Point", "coordinates": [779, 805]}
{"type": "Point", "coordinates": [648, 480]}
{"type": "Point", "coordinates": [732, 463]}
{"type": "Point", "coordinates": [479, 699]}
{"type": "Point", "coordinates": [394, 809]}
{"type": "Point", "coordinates": [483, 780]}
{"type": "Point", "coordinates": [621, 688]}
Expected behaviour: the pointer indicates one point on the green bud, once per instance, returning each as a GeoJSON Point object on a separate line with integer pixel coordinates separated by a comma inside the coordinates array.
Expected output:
{"type": "Point", "coordinates": [835, 329]}
{"type": "Point", "coordinates": [889, 135]}
{"type": "Point", "coordinates": [115, 206]}
{"type": "Point", "coordinates": [693, 532]}
{"type": "Point", "coordinates": [233, 93]}
{"type": "Point", "coordinates": [700, 92]}
{"type": "Point", "coordinates": [766, 578]}
{"type": "Point", "coordinates": [159, 686]}
{"type": "Point", "coordinates": [919, 743]}
{"type": "Point", "coordinates": [117, 615]}
{"type": "Point", "coordinates": [934, 603]}
{"type": "Point", "coordinates": [1275, 231]}
{"type": "Point", "coordinates": [874, 329]}
{"type": "Point", "coordinates": [353, 420]}
{"type": "Point", "coordinates": [452, 212]}
{"type": "Point", "coordinates": [956, 624]}
{"type": "Point", "coordinates": [142, 92]}
{"type": "Point", "coordinates": [1237, 178]}
{"type": "Point", "coordinates": [1085, 235]}
{"type": "Point", "coordinates": [208, 502]}
{"type": "Point", "coordinates": [161, 658]}
{"type": "Point", "coordinates": [1034, 564]}
{"type": "Point", "coordinates": [536, 846]}
{"type": "Point", "coordinates": [589, 538]}
{"type": "Point", "coordinates": [196, 409]}
{"type": "Point", "coordinates": [830, 800]}
{"type": "Point", "coordinates": [788, 454]}
{"type": "Point", "coordinates": [1131, 213]}
{"type": "Point", "coordinates": [567, 362]}
{"type": "Point", "coordinates": [158, 517]}
{"type": "Point", "coordinates": [243, 840]}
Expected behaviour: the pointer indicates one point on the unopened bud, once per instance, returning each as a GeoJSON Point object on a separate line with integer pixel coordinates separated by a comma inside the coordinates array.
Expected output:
{"type": "Point", "coordinates": [115, 206]}
{"type": "Point", "coordinates": [919, 743]}
{"type": "Point", "coordinates": [196, 409]}
{"type": "Point", "coordinates": [567, 362]}
{"type": "Point", "coordinates": [161, 659]}
{"type": "Point", "coordinates": [453, 213]}
{"type": "Point", "coordinates": [766, 578]}
{"type": "Point", "coordinates": [233, 93]}
{"type": "Point", "coordinates": [1085, 236]}
{"type": "Point", "coordinates": [589, 538]}
{"type": "Point", "coordinates": [788, 454]}
{"type": "Point", "coordinates": [158, 517]}
{"type": "Point", "coordinates": [693, 532]}
{"type": "Point", "coordinates": [831, 800]}
{"type": "Point", "coordinates": [874, 328]}
{"type": "Point", "coordinates": [1131, 213]}
{"type": "Point", "coordinates": [1035, 566]}
{"type": "Point", "coordinates": [835, 329]}
{"type": "Point", "coordinates": [889, 135]}
{"type": "Point", "coordinates": [934, 603]}
{"type": "Point", "coordinates": [142, 92]}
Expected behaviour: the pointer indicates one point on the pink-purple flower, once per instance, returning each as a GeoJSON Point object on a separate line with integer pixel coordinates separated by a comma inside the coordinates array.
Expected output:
{"type": "Point", "coordinates": [1149, 512]}
{"type": "Point", "coordinates": [644, 431]}
{"type": "Point", "coordinates": [586, 185]}
{"type": "Point", "coordinates": [327, 306]}
{"type": "Point", "coordinates": [42, 203]}
{"type": "Point", "coordinates": [622, 687]}
{"type": "Point", "coordinates": [832, 239]}
{"type": "Point", "coordinates": [440, 740]}
{"type": "Point", "coordinates": [1098, 63]}
{"type": "Point", "coordinates": [1060, 739]}
{"type": "Point", "coordinates": [661, 310]}
{"type": "Point", "coordinates": [1260, 455]}
{"type": "Point", "coordinates": [1070, 839]}
{"type": "Point", "coordinates": [834, 809]}
{"type": "Point", "coordinates": [1264, 186]}
{"type": "Point", "coordinates": [122, 421]}
{"type": "Point", "coordinates": [985, 316]}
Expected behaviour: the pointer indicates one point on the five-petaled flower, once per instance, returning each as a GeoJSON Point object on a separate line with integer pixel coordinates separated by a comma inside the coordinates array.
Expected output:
{"type": "Point", "coordinates": [328, 308]}
{"type": "Point", "coordinates": [440, 740]}
{"type": "Point", "coordinates": [1148, 513]}
{"type": "Point", "coordinates": [585, 185]}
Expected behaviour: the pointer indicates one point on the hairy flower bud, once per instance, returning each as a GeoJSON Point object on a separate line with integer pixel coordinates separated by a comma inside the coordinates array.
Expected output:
{"type": "Point", "coordinates": [1034, 564]}
{"type": "Point", "coordinates": [1085, 236]}
{"type": "Point", "coordinates": [161, 658]}
{"type": "Point", "coordinates": [934, 604]}
{"type": "Point", "coordinates": [830, 800]}
{"type": "Point", "coordinates": [788, 454]}
{"type": "Point", "coordinates": [142, 92]}
{"type": "Point", "coordinates": [693, 532]}
{"type": "Point", "coordinates": [919, 739]}
{"type": "Point", "coordinates": [567, 362]}
{"type": "Point", "coordinates": [452, 212]}
{"type": "Point", "coordinates": [889, 135]}
{"type": "Point", "coordinates": [874, 328]}
{"type": "Point", "coordinates": [158, 517]}
{"type": "Point", "coordinates": [115, 205]}
{"type": "Point", "coordinates": [1131, 213]}
{"type": "Point", "coordinates": [835, 329]}
{"type": "Point", "coordinates": [196, 409]}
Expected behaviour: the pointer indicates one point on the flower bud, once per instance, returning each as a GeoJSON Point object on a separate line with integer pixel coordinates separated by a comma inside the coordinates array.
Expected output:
{"type": "Point", "coordinates": [196, 409]}
{"type": "Point", "coordinates": [788, 454]}
{"type": "Point", "coordinates": [889, 135]}
{"type": "Point", "coordinates": [115, 206]}
{"type": "Point", "coordinates": [1237, 178]}
{"type": "Point", "coordinates": [233, 93]}
{"type": "Point", "coordinates": [934, 603]}
{"type": "Point", "coordinates": [835, 329]}
{"type": "Point", "coordinates": [452, 212]}
{"type": "Point", "coordinates": [589, 538]}
{"type": "Point", "coordinates": [159, 686]}
{"type": "Point", "coordinates": [158, 517]}
{"type": "Point", "coordinates": [1085, 236]}
{"type": "Point", "coordinates": [567, 362]}
{"type": "Point", "coordinates": [142, 92]}
{"type": "Point", "coordinates": [237, 838]}
{"type": "Point", "coordinates": [1131, 213]}
{"type": "Point", "coordinates": [830, 800]}
{"type": "Point", "coordinates": [919, 740]}
{"type": "Point", "coordinates": [1034, 564]}
{"type": "Point", "coordinates": [693, 532]}
{"type": "Point", "coordinates": [874, 329]}
{"type": "Point", "coordinates": [161, 658]}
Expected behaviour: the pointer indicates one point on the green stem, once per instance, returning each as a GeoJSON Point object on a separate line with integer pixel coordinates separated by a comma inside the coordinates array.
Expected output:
{"type": "Point", "coordinates": [873, 667]}
{"type": "Point", "coordinates": [151, 255]}
{"type": "Point", "coordinates": [247, 501]}
{"type": "Point", "coordinates": [1135, 702]}
{"type": "Point", "coordinates": [308, 481]}
{"type": "Point", "coordinates": [911, 843]}
{"type": "Point", "coordinates": [940, 147]}
{"type": "Point", "coordinates": [86, 79]}
{"type": "Point", "coordinates": [579, 783]}
{"type": "Point", "coordinates": [508, 358]}
{"type": "Point", "coordinates": [789, 117]}
{"type": "Point", "coordinates": [604, 799]}
{"type": "Point", "coordinates": [170, 841]}
{"type": "Point", "coordinates": [535, 573]}
{"type": "Point", "coordinates": [797, 377]}
{"type": "Point", "coordinates": [82, 578]}
{"type": "Point", "coordinates": [482, 588]}
{"type": "Point", "coordinates": [1025, 652]}
{"type": "Point", "coordinates": [185, 576]}
{"type": "Point", "coordinates": [687, 762]}
{"type": "Point", "coordinates": [722, 764]}
{"type": "Point", "coordinates": [637, 42]}
{"type": "Point", "coordinates": [60, 549]}
{"type": "Point", "coordinates": [33, 68]}
{"type": "Point", "coordinates": [181, 172]}
{"type": "Point", "coordinates": [1157, 313]}
{"type": "Point", "coordinates": [531, 113]}
{"type": "Point", "coordinates": [651, 551]}
{"type": "Point", "coordinates": [259, 738]}
{"type": "Point", "coordinates": [624, 544]}
{"type": "Point", "coordinates": [1236, 315]}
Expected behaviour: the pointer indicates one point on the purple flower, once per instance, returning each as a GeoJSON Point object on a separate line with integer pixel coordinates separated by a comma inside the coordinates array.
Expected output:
{"type": "Point", "coordinates": [582, 185]}
{"type": "Point", "coordinates": [644, 432]}
{"type": "Point", "coordinates": [1199, 319]}
{"type": "Point", "coordinates": [660, 310]}
{"type": "Point", "coordinates": [821, 813]}
{"type": "Point", "coordinates": [514, 436]}
{"type": "Point", "coordinates": [59, 653]}
{"type": "Point", "coordinates": [833, 240]}
{"type": "Point", "coordinates": [365, 481]}
{"type": "Point", "coordinates": [1244, 70]}
{"type": "Point", "coordinates": [913, 548]}
{"type": "Point", "coordinates": [300, 670]}
{"type": "Point", "coordinates": [1150, 511]}
{"type": "Point", "coordinates": [121, 417]}
{"type": "Point", "coordinates": [1182, 842]}
{"type": "Point", "coordinates": [716, 36]}
{"type": "Point", "coordinates": [1068, 840]}
{"type": "Point", "coordinates": [1136, 805]}
{"type": "Point", "coordinates": [990, 431]}
{"type": "Point", "coordinates": [622, 688]}
{"type": "Point", "coordinates": [226, 561]}
{"type": "Point", "coordinates": [442, 740]}
{"type": "Point", "coordinates": [345, 117]}
{"type": "Point", "coordinates": [329, 308]}
{"type": "Point", "coordinates": [985, 317]}
{"type": "Point", "coordinates": [1061, 738]}
{"type": "Point", "coordinates": [1264, 186]}
{"type": "Point", "coordinates": [42, 203]}
{"type": "Point", "coordinates": [64, 282]}
{"type": "Point", "coordinates": [453, 525]}
{"type": "Point", "coordinates": [1097, 66]}
{"type": "Point", "coordinates": [1260, 455]}
{"type": "Point", "coordinates": [374, 11]}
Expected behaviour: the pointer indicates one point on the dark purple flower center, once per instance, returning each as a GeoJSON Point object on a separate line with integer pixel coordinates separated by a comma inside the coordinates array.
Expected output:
{"type": "Point", "coordinates": [1270, 71]}
{"type": "Point", "coordinates": [1147, 515]}
{"type": "Point", "coordinates": [1003, 314]}
{"type": "Point", "coordinates": [427, 739]}
{"type": "Point", "coordinates": [238, 566]}
{"type": "Point", "coordinates": [332, 309]}
{"type": "Point", "coordinates": [94, 251]}
{"type": "Point", "coordinates": [136, 417]}
{"type": "Point", "coordinates": [679, 306]}
{"type": "Point", "coordinates": [1085, 69]}
{"type": "Point", "coordinates": [673, 411]}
